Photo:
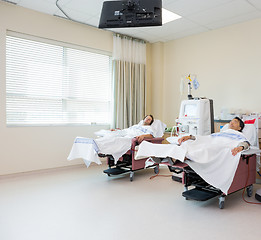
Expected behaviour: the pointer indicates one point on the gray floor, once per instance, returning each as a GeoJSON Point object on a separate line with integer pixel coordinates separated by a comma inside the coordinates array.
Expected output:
{"type": "Point", "coordinates": [80, 203]}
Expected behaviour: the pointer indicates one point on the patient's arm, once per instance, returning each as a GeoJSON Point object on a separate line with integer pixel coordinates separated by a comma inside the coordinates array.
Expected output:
{"type": "Point", "coordinates": [241, 146]}
{"type": "Point", "coordinates": [185, 138]}
{"type": "Point", "coordinates": [236, 150]}
{"type": "Point", "coordinates": [142, 137]}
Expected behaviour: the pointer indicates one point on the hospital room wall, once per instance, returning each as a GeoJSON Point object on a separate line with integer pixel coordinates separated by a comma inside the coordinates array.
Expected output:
{"type": "Point", "coordinates": [34, 148]}
{"type": "Point", "coordinates": [155, 73]}
{"type": "Point", "coordinates": [227, 64]}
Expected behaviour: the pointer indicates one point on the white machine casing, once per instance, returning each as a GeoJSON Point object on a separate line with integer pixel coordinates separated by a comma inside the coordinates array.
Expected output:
{"type": "Point", "coordinates": [196, 117]}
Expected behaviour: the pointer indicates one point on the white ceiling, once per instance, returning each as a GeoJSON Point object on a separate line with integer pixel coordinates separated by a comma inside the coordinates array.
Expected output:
{"type": "Point", "coordinates": [197, 15]}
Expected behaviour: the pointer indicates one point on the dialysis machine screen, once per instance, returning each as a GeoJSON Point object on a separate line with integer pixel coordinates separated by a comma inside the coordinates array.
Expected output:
{"type": "Point", "coordinates": [190, 110]}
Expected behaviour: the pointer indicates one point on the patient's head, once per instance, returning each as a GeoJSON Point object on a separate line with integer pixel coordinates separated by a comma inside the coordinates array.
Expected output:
{"type": "Point", "coordinates": [236, 124]}
{"type": "Point", "coordinates": [148, 120]}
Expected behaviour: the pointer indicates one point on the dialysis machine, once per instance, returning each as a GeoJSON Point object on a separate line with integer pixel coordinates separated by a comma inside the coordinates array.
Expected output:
{"type": "Point", "coordinates": [196, 117]}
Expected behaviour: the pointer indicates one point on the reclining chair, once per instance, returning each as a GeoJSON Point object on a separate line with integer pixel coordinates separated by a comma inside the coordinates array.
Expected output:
{"type": "Point", "coordinates": [127, 162]}
{"type": "Point", "coordinates": [244, 177]}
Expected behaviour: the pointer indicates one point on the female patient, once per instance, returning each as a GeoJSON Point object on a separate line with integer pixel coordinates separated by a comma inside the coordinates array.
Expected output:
{"type": "Point", "coordinates": [144, 127]}
{"type": "Point", "coordinates": [147, 121]}
{"type": "Point", "coordinates": [235, 124]}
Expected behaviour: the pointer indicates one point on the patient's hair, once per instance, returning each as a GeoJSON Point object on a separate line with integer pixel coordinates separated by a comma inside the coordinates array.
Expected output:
{"type": "Point", "coordinates": [241, 123]}
{"type": "Point", "coordinates": [151, 118]}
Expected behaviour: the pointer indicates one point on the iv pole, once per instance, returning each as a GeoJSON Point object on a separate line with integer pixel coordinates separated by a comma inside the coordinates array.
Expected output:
{"type": "Point", "coordinates": [189, 87]}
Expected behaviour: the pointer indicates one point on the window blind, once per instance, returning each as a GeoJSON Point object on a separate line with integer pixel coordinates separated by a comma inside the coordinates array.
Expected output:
{"type": "Point", "coordinates": [51, 84]}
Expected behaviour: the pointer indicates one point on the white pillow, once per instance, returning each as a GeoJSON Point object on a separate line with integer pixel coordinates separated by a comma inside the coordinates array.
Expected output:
{"type": "Point", "coordinates": [249, 131]}
{"type": "Point", "coordinates": [140, 122]}
{"type": "Point", "coordinates": [158, 128]}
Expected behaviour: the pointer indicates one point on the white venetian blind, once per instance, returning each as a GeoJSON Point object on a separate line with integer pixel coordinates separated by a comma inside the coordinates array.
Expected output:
{"type": "Point", "coordinates": [51, 84]}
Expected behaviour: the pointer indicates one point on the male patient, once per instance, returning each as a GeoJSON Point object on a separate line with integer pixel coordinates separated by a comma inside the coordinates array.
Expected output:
{"type": "Point", "coordinates": [236, 124]}
{"type": "Point", "coordinates": [214, 157]}
{"type": "Point", "coordinates": [208, 146]}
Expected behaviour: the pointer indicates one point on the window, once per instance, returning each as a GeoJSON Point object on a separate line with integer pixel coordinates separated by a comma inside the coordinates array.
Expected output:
{"type": "Point", "coordinates": [49, 84]}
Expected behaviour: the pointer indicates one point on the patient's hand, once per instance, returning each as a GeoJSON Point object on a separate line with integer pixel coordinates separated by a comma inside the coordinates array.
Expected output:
{"type": "Point", "coordinates": [236, 150]}
{"type": "Point", "coordinates": [183, 139]}
{"type": "Point", "coordinates": [142, 137]}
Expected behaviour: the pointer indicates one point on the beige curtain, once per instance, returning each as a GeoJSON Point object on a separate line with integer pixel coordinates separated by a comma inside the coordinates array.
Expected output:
{"type": "Point", "coordinates": [129, 68]}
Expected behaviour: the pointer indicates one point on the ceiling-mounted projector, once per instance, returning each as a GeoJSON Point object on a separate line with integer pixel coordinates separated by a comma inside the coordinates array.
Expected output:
{"type": "Point", "coordinates": [131, 13]}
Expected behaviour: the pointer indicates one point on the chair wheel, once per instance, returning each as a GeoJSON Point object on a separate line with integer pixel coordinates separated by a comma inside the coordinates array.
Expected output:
{"type": "Point", "coordinates": [250, 190]}
{"type": "Point", "coordinates": [221, 204]}
{"type": "Point", "coordinates": [131, 176]}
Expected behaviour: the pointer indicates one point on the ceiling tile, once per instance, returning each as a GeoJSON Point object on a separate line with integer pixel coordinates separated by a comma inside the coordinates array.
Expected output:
{"type": "Point", "coordinates": [94, 21]}
{"type": "Point", "coordinates": [226, 11]}
{"type": "Point", "coordinates": [40, 6]}
{"type": "Point", "coordinates": [234, 20]}
{"type": "Point", "coordinates": [167, 2]}
{"type": "Point", "coordinates": [87, 7]}
{"type": "Point", "coordinates": [187, 7]}
{"type": "Point", "coordinates": [185, 33]}
{"type": "Point", "coordinates": [255, 3]}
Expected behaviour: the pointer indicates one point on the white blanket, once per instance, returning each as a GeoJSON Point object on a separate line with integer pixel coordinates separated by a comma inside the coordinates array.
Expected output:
{"type": "Point", "coordinates": [115, 143]}
{"type": "Point", "coordinates": [86, 149]}
{"type": "Point", "coordinates": [210, 156]}
{"type": "Point", "coordinates": [133, 131]}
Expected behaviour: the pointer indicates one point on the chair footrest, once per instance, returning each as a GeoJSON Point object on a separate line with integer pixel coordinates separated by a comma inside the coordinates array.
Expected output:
{"type": "Point", "coordinates": [177, 179]}
{"type": "Point", "coordinates": [115, 171]}
{"type": "Point", "coordinates": [199, 194]}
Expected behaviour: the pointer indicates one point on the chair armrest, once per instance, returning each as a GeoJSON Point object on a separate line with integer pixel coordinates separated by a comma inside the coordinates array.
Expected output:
{"type": "Point", "coordinates": [152, 140]}
{"type": "Point", "coordinates": [155, 140]}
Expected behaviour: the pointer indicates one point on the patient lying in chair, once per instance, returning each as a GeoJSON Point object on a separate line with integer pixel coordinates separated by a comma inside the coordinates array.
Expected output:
{"type": "Point", "coordinates": [231, 138]}
{"type": "Point", "coordinates": [235, 124]}
{"type": "Point", "coordinates": [115, 142]}
{"type": "Point", "coordinates": [141, 130]}
{"type": "Point", "coordinates": [214, 157]}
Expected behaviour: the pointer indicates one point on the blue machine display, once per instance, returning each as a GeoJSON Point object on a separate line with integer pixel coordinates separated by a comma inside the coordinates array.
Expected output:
{"type": "Point", "coordinates": [196, 117]}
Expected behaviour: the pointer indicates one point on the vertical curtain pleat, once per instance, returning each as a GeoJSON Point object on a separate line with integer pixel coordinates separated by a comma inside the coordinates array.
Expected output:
{"type": "Point", "coordinates": [129, 67]}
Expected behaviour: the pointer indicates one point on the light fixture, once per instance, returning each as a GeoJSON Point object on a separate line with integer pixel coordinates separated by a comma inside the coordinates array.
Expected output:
{"type": "Point", "coordinates": [168, 16]}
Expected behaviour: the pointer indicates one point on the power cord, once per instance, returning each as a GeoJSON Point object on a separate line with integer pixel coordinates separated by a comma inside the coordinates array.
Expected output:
{"type": "Point", "coordinates": [158, 175]}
